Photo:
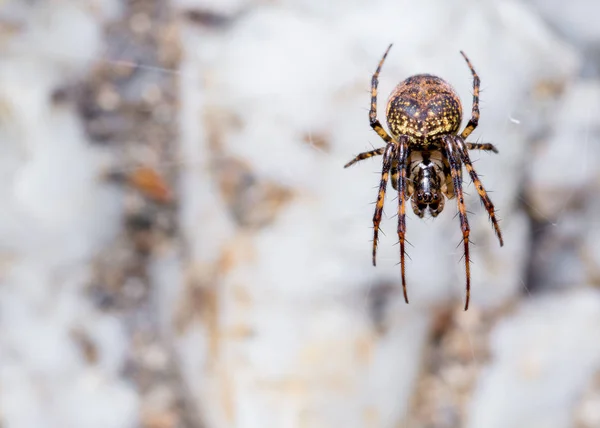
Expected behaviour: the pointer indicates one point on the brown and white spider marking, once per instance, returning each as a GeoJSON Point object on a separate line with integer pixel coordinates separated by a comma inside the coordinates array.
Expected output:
{"type": "Point", "coordinates": [425, 154]}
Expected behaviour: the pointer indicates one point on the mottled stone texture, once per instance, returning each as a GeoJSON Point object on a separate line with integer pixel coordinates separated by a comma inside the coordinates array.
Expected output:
{"type": "Point", "coordinates": [181, 247]}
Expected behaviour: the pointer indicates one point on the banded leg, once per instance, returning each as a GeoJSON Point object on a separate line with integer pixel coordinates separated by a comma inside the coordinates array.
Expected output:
{"type": "Point", "coordinates": [475, 110]}
{"type": "Point", "coordinates": [373, 111]}
{"type": "Point", "coordinates": [388, 156]}
{"type": "Point", "coordinates": [365, 155]}
{"type": "Point", "coordinates": [402, 196]}
{"type": "Point", "coordinates": [482, 146]}
{"type": "Point", "coordinates": [395, 174]}
{"type": "Point", "coordinates": [489, 206]}
{"type": "Point", "coordinates": [455, 170]}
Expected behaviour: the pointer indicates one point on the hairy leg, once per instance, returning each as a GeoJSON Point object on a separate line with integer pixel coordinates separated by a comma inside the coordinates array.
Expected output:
{"type": "Point", "coordinates": [388, 156]}
{"type": "Point", "coordinates": [455, 169]}
{"type": "Point", "coordinates": [475, 110]}
{"type": "Point", "coordinates": [373, 111]}
{"type": "Point", "coordinates": [365, 155]}
{"type": "Point", "coordinates": [482, 146]}
{"type": "Point", "coordinates": [489, 206]}
{"type": "Point", "coordinates": [402, 184]}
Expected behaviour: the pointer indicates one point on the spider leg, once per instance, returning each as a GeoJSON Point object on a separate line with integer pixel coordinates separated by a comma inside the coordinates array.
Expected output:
{"type": "Point", "coordinates": [475, 111]}
{"type": "Point", "coordinates": [365, 155]}
{"type": "Point", "coordinates": [489, 206]}
{"type": "Point", "coordinates": [455, 170]}
{"type": "Point", "coordinates": [390, 151]}
{"type": "Point", "coordinates": [373, 111]}
{"type": "Point", "coordinates": [482, 146]}
{"type": "Point", "coordinates": [395, 174]}
{"type": "Point", "coordinates": [402, 194]}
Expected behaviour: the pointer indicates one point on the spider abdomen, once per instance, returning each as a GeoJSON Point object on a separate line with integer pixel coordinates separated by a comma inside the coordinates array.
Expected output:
{"type": "Point", "coordinates": [424, 107]}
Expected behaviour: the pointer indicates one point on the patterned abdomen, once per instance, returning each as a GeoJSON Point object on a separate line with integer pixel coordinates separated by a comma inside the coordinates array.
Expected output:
{"type": "Point", "coordinates": [423, 107]}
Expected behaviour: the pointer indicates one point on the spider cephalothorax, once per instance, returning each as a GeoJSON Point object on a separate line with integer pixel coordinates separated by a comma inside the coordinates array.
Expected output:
{"type": "Point", "coordinates": [429, 183]}
{"type": "Point", "coordinates": [425, 154]}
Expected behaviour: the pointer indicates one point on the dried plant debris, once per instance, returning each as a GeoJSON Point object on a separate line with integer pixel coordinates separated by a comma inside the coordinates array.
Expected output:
{"type": "Point", "coordinates": [128, 105]}
{"type": "Point", "coordinates": [146, 180]}
{"type": "Point", "coordinates": [252, 202]}
{"type": "Point", "coordinates": [587, 412]}
{"type": "Point", "coordinates": [457, 352]}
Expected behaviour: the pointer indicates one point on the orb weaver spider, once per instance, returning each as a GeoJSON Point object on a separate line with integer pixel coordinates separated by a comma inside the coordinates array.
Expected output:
{"type": "Point", "coordinates": [424, 155]}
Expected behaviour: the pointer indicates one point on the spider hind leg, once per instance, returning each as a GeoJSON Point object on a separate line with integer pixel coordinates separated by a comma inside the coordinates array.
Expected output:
{"type": "Point", "coordinates": [403, 155]}
{"type": "Point", "coordinates": [487, 202]}
{"type": "Point", "coordinates": [455, 171]}
{"type": "Point", "coordinates": [390, 152]}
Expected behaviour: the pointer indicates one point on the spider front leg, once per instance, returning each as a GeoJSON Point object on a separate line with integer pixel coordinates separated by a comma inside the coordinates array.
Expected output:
{"type": "Point", "coordinates": [455, 171]}
{"type": "Point", "coordinates": [489, 206]}
{"type": "Point", "coordinates": [388, 156]}
{"type": "Point", "coordinates": [402, 193]}
{"type": "Point", "coordinates": [373, 111]}
{"type": "Point", "coordinates": [475, 110]}
{"type": "Point", "coordinates": [375, 124]}
{"type": "Point", "coordinates": [365, 155]}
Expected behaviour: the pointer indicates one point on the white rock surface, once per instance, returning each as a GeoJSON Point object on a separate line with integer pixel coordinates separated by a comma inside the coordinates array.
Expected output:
{"type": "Point", "coordinates": [564, 165]}
{"type": "Point", "coordinates": [55, 216]}
{"type": "Point", "coordinates": [285, 71]}
{"type": "Point", "coordinates": [575, 19]}
{"type": "Point", "coordinates": [543, 356]}
{"type": "Point", "coordinates": [285, 333]}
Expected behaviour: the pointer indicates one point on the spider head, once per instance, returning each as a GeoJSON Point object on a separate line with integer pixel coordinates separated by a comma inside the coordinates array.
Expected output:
{"type": "Point", "coordinates": [428, 193]}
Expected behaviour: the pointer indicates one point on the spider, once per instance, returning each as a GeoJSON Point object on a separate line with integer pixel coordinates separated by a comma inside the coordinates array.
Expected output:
{"type": "Point", "coordinates": [424, 154]}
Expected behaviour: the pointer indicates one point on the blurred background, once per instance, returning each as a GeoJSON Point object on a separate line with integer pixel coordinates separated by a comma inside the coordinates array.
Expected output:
{"type": "Point", "coordinates": [180, 245]}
